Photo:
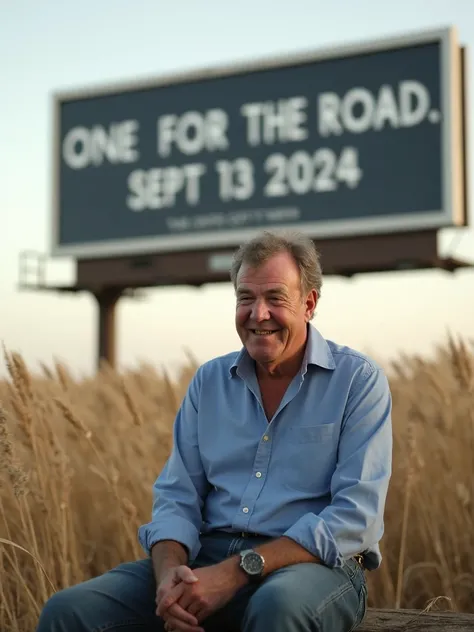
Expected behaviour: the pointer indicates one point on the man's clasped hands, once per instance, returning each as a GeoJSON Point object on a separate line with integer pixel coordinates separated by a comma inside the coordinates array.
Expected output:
{"type": "Point", "coordinates": [185, 597]}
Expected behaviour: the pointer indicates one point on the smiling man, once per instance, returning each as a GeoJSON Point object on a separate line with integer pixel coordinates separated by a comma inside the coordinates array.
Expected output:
{"type": "Point", "coordinates": [269, 510]}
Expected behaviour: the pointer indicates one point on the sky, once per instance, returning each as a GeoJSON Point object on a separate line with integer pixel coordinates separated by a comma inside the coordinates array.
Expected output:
{"type": "Point", "coordinates": [56, 45]}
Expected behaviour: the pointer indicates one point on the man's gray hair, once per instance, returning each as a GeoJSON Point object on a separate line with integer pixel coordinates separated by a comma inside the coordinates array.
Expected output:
{"type": "Point", "coordinates": [267, 244]}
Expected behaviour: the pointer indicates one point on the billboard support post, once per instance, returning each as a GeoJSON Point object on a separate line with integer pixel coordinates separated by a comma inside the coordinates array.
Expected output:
{"type": "Point", "coordinates": [107, 301]}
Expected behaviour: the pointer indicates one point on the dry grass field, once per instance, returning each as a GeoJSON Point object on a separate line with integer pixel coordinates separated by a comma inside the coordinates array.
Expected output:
{"type": "Point", "coordinates": [79, 458]}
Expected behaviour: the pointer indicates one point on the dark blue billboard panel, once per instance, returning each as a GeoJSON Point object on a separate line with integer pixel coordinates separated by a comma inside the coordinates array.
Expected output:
{"type": "Point", "coordinates": [338, 143]}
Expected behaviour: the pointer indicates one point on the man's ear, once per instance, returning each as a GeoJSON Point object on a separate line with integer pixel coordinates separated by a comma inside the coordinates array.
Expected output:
{"type": "Point", "coordinates": [311, 302]}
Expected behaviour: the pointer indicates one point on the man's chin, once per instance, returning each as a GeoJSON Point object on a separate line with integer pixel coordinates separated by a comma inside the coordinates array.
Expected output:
{"type": "Point", "coordinates": [262, 356]}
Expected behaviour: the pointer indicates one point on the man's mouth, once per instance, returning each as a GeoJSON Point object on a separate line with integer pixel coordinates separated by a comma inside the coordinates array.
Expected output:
{"type": "Point", "coordinates": [263, 332]}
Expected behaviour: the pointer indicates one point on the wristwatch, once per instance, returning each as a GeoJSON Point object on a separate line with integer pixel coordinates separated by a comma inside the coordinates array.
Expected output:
{"type": "Point", "coordinates": [252, 563]}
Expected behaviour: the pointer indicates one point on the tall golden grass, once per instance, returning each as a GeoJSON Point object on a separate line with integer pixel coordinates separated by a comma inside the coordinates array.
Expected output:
{"type": "Point", "coordinates": [79, 458]}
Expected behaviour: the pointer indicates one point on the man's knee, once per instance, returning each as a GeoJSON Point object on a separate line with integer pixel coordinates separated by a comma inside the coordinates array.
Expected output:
{"type": "Point", "coordinates": [306, 597]}
{"type": "Point", "coordinates": [61, 608]}
{"type": "Point", "coordinates": [280, 601]}
{"type": "Point", "coordinates": [123, 596]}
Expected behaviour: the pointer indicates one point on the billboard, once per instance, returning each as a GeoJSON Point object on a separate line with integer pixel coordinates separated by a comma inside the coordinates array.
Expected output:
{"type": "Point", "coordinates": [349, 141]}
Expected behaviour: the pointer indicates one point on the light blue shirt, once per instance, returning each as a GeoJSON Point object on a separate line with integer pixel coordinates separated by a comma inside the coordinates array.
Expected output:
{"type": "Point", "coordinates": [318, 472]}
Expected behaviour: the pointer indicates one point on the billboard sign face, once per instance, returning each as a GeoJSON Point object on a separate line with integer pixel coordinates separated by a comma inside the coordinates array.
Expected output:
{"type": "Point", "coordinates": [357, 140]}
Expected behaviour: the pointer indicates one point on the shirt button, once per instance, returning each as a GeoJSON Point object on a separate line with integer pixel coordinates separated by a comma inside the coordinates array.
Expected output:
{"type": "Point", "coordinates": [245, 509]}
{"type": "Point", "coordinates": [266, 437]}
{"type": "Point", "coordinates": [258, 474]}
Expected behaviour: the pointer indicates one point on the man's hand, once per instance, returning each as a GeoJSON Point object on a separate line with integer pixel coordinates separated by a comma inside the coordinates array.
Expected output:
{"type": "Point", "coordinates": [171, 587]}
{"type": "Point", "coordinates": [215, 587]}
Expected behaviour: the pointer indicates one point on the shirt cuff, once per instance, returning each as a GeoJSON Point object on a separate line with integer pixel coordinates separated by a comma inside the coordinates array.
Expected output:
{"type": "Point", "coordinates": [312, 533]}
{"type": "Point", "coordinates": [179, 530]}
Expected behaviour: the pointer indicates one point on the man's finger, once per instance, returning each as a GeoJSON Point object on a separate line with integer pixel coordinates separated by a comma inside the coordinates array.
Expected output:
{"type": "Point", "coordinates": [178, 612]}
{"type": "Point", "coordinates": [180, 626]}
{"type": "Point", "coordinates": [186, 599]}
{"type": "Point", "coordinates": [194, 607]}
{"type": "Point", "coordinates": [169, 598]}
{"type": "Point", "coordinates": [186, 575]}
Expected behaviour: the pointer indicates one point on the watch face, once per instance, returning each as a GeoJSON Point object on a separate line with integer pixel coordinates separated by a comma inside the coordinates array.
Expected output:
{"type": "Point", "coordinates": [252, 563]}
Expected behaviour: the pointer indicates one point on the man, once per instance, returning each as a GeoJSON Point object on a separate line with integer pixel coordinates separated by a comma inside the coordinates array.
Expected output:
{"type": "Point", "coordinates": [270, 506]}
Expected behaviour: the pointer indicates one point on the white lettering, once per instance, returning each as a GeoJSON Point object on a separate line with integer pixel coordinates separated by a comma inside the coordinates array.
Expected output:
{"type": "Point", "coordinates": [276, 186]}
{"type": "Point", "coordinates": [127, 133]}
{"type": "Point", "coordinates": [347, 168]}
{"type": "Point", "coordinates": [217, 123]}
{"type": "Point", "coordinates": [192, 174]}
{"type": "Point", "coordinates": [224, 169]}
{"type": "Point", "coordinates": [76, 148]}
{"type": "Point", "coordinates": [236, 179]}
{"type": "Point", "coordinates": [302, 172]}
{"type": "Point", "coordinates": [328, 119]}
{"type": "Point", "coordinates": [159, 187]}
{"type": "Point", "coordinates": [190, 133]}
{"type": "Point", "coordinates": [166, 131]}
{"type": "Point", "coordinates": [172, 184]}
{"type": "Point", "coordinates": [413, 116]}
{"type": "Point", "coordinates": [271, 122]}
{"type": "Point", "coordinates": [359, 110]}
{"type": "Point", "coordinates": [363, 100]}
{"type": "Point", "coordinates": [387, 109]}
{"type": "Point", "coordinates": [252, 112]}
{"type": "Point", "coordinates": [137, 184]}
{"type": "Point", "coordinates": [179, 223]}
{"type": "Point", "coordinates": [83, 147]}
{"type": "Point", "coordinates": [325, 166]}
{"type": "Point", "coordinates": [193, 132]}
{"type": "Point", "coordinates": [297, 117]}
{"type": "Point", "coordinates": [245, 184]}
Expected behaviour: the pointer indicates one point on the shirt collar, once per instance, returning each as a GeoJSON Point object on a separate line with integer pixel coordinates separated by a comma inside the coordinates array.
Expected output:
{"type": "Point", "coordinates": [317, 353]}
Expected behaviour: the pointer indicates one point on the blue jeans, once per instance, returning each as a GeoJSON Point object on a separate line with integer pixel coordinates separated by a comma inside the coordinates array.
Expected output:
{"type": "Point", "coordinates": [298, 598]}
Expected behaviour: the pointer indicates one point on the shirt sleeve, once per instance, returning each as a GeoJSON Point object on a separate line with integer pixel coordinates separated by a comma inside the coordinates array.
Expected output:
{"type": "Point", "coordinates": [353, 521]}
{"type": "Point", "coordinates": [181, 487]}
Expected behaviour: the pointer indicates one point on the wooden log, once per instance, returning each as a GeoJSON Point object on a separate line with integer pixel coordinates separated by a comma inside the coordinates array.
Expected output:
{"type": "Point", "coordinates": [378, 620]}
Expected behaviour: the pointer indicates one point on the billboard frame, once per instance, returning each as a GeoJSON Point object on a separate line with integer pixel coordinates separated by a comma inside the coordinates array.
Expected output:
{"type": "Point", "coordinates": [453, 212]}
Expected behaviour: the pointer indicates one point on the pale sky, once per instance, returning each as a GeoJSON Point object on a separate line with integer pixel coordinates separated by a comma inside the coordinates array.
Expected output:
{"type": "Point", "coordinates": [58, 45]}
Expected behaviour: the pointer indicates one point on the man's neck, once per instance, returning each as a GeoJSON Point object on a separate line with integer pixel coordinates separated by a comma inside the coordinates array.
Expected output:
{"type": "Point", "coordinates": [284, 370]}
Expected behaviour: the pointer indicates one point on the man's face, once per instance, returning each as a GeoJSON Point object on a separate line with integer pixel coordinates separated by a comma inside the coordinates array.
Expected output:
{"type": "Point", "coordinates": [271, 314]}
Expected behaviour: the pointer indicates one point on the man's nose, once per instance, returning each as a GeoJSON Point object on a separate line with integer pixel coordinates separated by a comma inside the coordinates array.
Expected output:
{"type": "Point", "coordinates": [260, 311]}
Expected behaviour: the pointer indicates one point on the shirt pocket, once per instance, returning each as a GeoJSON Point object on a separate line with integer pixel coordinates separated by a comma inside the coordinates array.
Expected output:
{"type": "Point", "coordinates": [311, 434]}
{"type": "Point", "coordinates": [311, 454]}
